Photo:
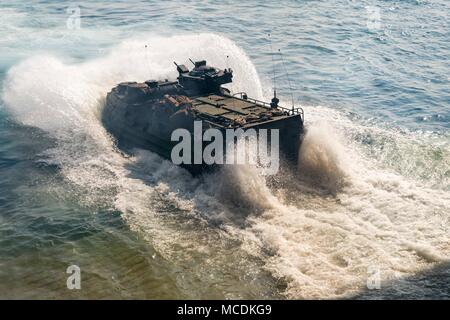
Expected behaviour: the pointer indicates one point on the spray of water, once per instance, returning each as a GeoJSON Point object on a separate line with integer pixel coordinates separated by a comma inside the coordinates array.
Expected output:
{"type": "Point", "coordinates": [322, 157]}
{"type": "Point", "coordinates": [353, 211]}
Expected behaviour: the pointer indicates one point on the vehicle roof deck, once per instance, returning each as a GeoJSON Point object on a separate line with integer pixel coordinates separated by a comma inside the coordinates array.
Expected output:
{"type": "Point", "coordinates": [228, 106]}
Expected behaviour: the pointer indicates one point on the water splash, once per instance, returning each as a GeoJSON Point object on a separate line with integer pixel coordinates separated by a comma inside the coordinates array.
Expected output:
{"type": "Point", "coordinates": [320, 244]}
{"type": "Point", "coordinates": [322, 157]}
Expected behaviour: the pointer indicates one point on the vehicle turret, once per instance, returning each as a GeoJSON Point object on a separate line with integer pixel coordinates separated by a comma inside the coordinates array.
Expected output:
{"type": "Point", "coordinates": [202, 78]}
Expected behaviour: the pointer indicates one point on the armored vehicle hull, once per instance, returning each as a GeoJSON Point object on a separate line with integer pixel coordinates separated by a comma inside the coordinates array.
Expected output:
{"type": "Point", "coordinates": [145, 115]}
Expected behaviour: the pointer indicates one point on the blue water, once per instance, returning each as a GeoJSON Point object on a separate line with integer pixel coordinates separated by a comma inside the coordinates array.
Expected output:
{"type": "Point", "coordinates": [373, 78]}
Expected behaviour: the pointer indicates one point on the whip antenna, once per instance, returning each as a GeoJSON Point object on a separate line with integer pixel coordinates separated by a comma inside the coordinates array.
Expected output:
{"type": "Point", "coordinates": [147, 58]}
{"type": "Point", "coordinates": [275, 100]}
{"type": "Point", "coordinates": [287, 76]}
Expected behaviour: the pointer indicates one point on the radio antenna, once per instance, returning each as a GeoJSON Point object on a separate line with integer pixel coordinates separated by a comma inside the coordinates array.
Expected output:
{"type": "Point", "coordinates": [274, 81]}
{"type": "Point", "coordinates": [287, 76]}
{"type": "Point", "coordinates": [192, 61]}
{"type": "Point", "coordinates": [275, 100]}
{"type": "Point", "coordinates": [147, 59]}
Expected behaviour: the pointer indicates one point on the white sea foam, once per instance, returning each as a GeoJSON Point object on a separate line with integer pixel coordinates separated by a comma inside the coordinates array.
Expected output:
{"type": "Point", "coordinates": [346, 212]}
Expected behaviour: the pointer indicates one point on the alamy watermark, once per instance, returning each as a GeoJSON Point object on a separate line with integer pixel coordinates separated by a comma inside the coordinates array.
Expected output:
{"type": "Point", "coordinates": [228, 146]}
{"type": "Point", "coordinates": [374, 278]}
{"type": "Point", "coordinates": [74, 280]}
{"type": "Point", "coordinates": [373, 22]}
{"type": "Point", "coordinates": [74, 20]}
{"type": "Point", "coordinates": [390, 278]}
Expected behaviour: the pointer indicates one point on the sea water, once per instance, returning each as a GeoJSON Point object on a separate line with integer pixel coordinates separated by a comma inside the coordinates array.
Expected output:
{"type": "Point", "coordinates": [367, 215]}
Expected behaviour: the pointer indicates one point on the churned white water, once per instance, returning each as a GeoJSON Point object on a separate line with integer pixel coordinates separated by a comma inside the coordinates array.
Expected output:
{"type": "Point", "coordinates": [350, 209]}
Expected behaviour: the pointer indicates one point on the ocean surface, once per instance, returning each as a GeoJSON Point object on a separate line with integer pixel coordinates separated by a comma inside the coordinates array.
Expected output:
{"type": "Point", "coordinates": [367, 217]}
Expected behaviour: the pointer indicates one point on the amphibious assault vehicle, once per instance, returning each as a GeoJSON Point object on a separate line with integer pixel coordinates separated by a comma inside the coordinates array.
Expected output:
{"type": "Point", "coordinates": [145, 115]}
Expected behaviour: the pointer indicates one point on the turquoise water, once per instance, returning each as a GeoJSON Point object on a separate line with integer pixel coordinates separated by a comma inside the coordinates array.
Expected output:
{"type": "Point", "coordinates": [374, 185]}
